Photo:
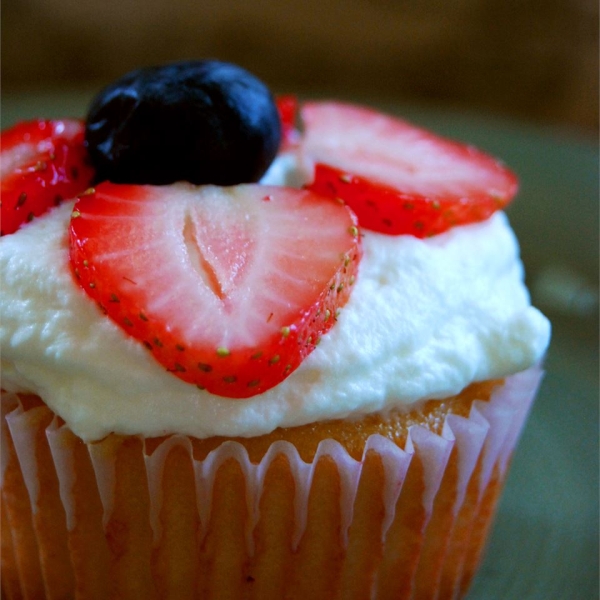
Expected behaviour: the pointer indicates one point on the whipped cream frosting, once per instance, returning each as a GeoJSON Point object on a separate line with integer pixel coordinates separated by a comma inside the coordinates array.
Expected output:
{"type": "Point", "coordinates": [426, 318]}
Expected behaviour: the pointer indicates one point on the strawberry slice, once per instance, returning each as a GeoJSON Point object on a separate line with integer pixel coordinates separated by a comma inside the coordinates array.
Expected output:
{"type": "Point", "coordinates": [229, 288]}
{"type": "Point", "coordinates": [397, 178]}
{"type": "Point", "coordinates": [287, 105]}
{"type": "Point", "coordinates": [42, 162]}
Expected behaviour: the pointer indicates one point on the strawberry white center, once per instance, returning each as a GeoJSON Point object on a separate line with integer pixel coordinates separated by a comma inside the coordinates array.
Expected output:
{"type": "Point", "coordinates": [27, 153]}
{"type": "Point", "coordinates": [22, 156]}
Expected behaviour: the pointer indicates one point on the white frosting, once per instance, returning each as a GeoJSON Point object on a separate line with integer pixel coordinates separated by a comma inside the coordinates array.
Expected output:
{"type": "Point", "coordinates": [425, 319]}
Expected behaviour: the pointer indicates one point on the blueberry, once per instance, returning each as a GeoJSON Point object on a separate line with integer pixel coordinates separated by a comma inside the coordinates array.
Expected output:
{"type": "Point", "coordinates": [198, 121]}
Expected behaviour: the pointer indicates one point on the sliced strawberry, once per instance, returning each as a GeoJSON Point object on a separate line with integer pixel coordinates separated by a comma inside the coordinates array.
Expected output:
{"type": "Point", "coordinates": [42, 163]}
{"type": "Point", "coordinates": [287, 105]}
{"type": "Point", "coordinates": [229, 288]}
{"type": "Point", "coordinates": [400, 179]}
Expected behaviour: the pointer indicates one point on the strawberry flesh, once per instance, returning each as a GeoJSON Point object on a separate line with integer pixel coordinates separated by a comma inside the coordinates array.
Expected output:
{"type": "Point", "coordinates": [400, 179]}
{"type": "Point", "coordinates": [287, 105]}
{"type": "Point", "coordinates": [229, 288]}
{"type": "Point", "coordinates": [43, 162]}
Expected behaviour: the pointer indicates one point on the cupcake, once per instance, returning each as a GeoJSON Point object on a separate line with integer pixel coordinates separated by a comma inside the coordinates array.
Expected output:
{"type": "Point", "coordinates": [255, 360]}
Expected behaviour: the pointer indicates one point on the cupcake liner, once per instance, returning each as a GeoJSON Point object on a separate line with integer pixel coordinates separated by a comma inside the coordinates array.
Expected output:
{"type": "Point", "coordinates": [28, 433]}
{"type": "Point", "coordinates": [19, 545]}
{"type": "Point", "coordinates": [130, 517]}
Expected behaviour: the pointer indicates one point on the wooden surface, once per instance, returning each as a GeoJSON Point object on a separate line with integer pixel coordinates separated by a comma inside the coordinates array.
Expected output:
{"type": "Point", "coordinates": [535, 60]}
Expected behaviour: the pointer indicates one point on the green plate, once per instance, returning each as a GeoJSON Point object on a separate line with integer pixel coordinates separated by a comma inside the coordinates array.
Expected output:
{"type": "Point", "coordinates": [545, 541]}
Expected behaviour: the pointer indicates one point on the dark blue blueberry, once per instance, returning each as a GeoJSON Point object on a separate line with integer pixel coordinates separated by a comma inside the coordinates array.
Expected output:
{"type": "Point", "coordinates": [198, 121]}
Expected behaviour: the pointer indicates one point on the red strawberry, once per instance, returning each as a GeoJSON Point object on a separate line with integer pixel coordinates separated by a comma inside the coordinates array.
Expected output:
{"type": "Point", "coordinates": [229, 288]}
{"type": "Point", "coordinates": [43, 162]}
{"type": "Point", "coordinates": [400, 179]}
{"type": "Point", "coordinates": [287, 106]}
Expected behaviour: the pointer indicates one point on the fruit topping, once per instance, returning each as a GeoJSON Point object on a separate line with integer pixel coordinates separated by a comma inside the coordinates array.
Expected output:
{"type": "Point", "coordinates": [198, 121]}
{"type": "Point", "coordinates": [230, 288]}
{"type": "Point", "coordinates": [288, 111]}
{"type": "Point", "coordinates": [400, 179]}
{"type": "Point", "coordinates": [41, 163]}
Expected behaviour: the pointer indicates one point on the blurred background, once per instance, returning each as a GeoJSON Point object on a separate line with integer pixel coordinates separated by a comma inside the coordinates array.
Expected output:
{"type": "Point", "coordinates": [531, 59]}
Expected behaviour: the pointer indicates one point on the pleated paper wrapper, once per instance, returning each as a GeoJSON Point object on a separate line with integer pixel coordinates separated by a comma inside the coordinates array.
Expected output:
{"type": "Point", "coordinates": [133, 518]}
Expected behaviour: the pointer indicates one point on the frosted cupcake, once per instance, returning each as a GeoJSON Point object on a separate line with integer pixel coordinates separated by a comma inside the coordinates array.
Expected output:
{"type": "Point", "coordinates": [311, 384]}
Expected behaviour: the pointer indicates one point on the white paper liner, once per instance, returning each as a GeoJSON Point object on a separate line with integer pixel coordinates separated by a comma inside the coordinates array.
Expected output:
{"type": "Point", "coordinates": [63, 461]}
{"type": "Point", "coordinates": [491, 431]}
{"type": "Point", "coordinates": [470, 435]}
{"type": "Point", "coordinates": [23, 429]}
{"type": "Point", "coordinates": [9, 403]}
